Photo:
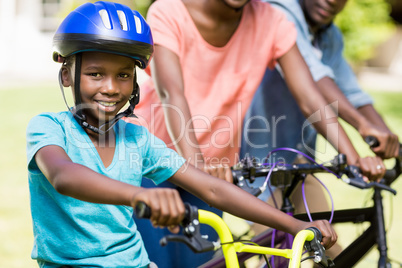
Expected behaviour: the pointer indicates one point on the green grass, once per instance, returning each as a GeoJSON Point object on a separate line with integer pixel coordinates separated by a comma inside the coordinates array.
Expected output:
{"type": "Point", "coordinates": [22, 103]}
{"type": "Point", "coordinates": [388, 104]}
{"type": "Point", "coordinates": [346, 197]}
{"type": "Point", "coordinates": [19, 106]}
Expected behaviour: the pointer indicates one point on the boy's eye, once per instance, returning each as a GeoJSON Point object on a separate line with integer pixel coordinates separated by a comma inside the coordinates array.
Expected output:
{"type": "Point", "coordinates": [123, 75]}
{"type": "Point", "coordinates": [95, 74]}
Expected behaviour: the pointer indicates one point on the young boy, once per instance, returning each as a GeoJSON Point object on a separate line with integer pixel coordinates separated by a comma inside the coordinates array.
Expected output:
{"type": "Point", "coordinates": [86, 166]}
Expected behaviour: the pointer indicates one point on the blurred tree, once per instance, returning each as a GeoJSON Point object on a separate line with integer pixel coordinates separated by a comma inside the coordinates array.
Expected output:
{"type": "Point", "coordinates": [142, 6]}
{"type": "Point", "coordinates": [364, 24]}
{"type": "Point", "coordinates": [139, 5]}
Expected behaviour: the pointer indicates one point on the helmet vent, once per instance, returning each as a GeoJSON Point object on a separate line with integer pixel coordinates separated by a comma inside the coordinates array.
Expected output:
{"type": "Point", "coordinates": [105, 18]}
{"type": "Point", "coordinates": [123, 20]}
{"type": "Point", "coordinates": [138, 26]}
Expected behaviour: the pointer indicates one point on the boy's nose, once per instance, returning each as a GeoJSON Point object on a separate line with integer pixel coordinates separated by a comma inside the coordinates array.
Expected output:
{"type": "Point", "coordinates": [110, 87]}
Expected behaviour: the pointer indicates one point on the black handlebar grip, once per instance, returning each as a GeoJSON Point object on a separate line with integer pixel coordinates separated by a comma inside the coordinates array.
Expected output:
{"type": "Point", "coordinates": [372, 141]}
{"type": "Point", "coordinates": [142, 211]}
{"type": "Point", "coordinates": [390, 175]}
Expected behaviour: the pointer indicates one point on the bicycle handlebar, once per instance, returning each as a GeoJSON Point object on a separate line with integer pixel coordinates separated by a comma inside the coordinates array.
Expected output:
{"type": "Point", "coordinates": [310, 238]}
{"type": "Point", "coordinates": [315, 246]}
{"type": "Point", "coordinates": [191, 228]}
{"type": "Point", "coordinates": [249, 169]}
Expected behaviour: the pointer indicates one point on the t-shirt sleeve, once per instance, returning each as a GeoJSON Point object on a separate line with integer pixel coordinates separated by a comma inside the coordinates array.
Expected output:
{"type": "Point", "coordinates": [318, 69]}
{"type": "Point", "coordinates": [165, 28]}
{"type": "Point", "coordinates": [159, 163]}
{"type": "Point", "coordinates": [345, 78]}
{"type": "Point", "coordinates": [285, 37]}
{"type": "Point", "coordinates": [42, 130]}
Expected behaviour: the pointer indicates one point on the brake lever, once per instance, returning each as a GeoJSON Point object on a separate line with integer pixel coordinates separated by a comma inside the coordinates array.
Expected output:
{"type": "Point", "coordinates": [247, 169]}
{"type": "Point", "coordinates": [191, 228]}
{"type": "Point", "coordinates": [355, 178]}
{"type": "Point", "coordinates": [318, 249]}
{"type": "Point", "coordinates": [196, 243]}
{"type": "Point", "coordinates": [191, 233]}
{"type": "Point", "coordinates": [240, 181]}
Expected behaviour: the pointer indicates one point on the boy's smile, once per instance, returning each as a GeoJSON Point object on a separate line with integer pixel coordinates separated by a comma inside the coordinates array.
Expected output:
{"type": "Point", "coordinates": [106, 85]}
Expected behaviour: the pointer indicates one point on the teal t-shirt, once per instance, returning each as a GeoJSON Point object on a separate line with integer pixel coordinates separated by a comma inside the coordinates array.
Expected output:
{"type": "Point", "coordinates": [68, 231]}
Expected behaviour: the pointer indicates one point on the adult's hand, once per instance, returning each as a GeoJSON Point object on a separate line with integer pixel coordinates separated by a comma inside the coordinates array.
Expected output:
{"type": "Point", "coordinates": [388, 142]}
{"type": "Point", "coordinates": [372, 167]}
{"type": "Point", "coordinates": [220, 171]}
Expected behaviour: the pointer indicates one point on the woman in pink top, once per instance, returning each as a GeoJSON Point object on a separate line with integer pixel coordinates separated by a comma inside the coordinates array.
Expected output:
{"type": "Point", "coordinates": [210, 56]}
{"type": "Point", "coordinates": [215, 72]}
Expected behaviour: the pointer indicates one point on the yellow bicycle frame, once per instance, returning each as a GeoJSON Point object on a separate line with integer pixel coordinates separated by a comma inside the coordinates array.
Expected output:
{"type": "Point", "coordinates": [230, 248]}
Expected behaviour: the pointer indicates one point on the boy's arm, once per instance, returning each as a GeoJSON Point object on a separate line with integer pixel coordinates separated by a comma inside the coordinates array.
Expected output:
{"type": "Point", "coordinates": [80, 182]}
{"type": "Point", "coordinates": [230, 198]}
{"type": "Point", "coordinates": [320, 113]}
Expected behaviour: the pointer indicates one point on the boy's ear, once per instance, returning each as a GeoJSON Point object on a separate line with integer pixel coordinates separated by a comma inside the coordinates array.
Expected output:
{"type": "Point", "coordinates": [66, 77]}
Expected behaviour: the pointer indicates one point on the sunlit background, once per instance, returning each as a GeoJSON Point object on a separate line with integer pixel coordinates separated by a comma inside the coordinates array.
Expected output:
{"type": "Point", "coordinates": [28, 86]}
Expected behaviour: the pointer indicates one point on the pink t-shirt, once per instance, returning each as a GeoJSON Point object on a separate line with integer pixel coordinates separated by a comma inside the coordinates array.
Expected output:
{"type": "Point", "coordinates": [219, 82]}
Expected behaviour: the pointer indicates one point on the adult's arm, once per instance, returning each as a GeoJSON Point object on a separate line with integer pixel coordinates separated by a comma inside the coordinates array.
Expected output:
{"type": "Point", "coordinates": [389, 142]}
{"type": "Point", "coordinates": [320, 113]}
{"type": "Point", "coordinates": [312, 103]}
{"type": "Point", "coordinates": [168, 79]}
{"type": "Point", "coordinates": [365, 119]}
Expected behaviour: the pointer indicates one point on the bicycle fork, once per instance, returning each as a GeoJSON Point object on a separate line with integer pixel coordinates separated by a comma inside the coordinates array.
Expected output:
{"type": "Point", "coordinates": [375, 234]}
{"type": "Point", "coordinates": [383, 261]}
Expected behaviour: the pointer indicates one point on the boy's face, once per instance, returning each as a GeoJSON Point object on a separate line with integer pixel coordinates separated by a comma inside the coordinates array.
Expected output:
{"type": "Point", "coordinates": [322, 12]}
{"type": "Point", "coordinates": [106, 84]}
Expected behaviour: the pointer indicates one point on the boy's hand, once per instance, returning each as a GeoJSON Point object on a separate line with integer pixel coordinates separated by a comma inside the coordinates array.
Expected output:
{"type": "Point", "coordinates": [167, 208]}
{"type": "Point", "coordinates": [329, 235]}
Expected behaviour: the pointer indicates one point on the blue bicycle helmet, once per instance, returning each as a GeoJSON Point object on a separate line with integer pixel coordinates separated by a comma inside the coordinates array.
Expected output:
{"type": "Point", "coordinates": [103, 27]}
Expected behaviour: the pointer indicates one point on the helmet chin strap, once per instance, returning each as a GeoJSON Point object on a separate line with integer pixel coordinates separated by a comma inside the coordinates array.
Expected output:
{"type": "Point", "coordinates": [81, 118]}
